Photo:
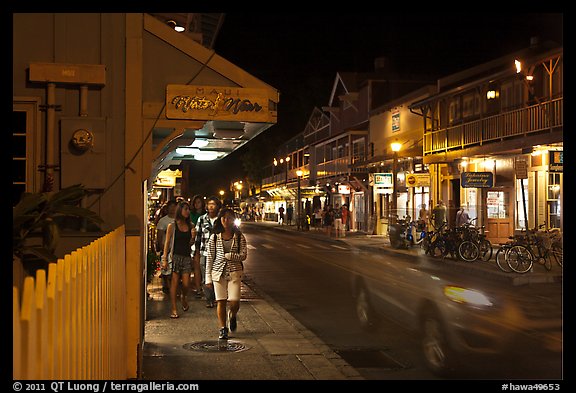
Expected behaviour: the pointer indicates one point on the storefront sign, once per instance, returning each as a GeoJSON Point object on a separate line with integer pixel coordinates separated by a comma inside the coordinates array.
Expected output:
{"type": "Point", "coordinates": [477, 180]}
{"type": "Point", "coordinates": [383, 183]}
{"type": "Point", "coordinates": [167, 178]}
{"type": "Point", "coordinates": [343, 189]}
{"type": "Point", "coordinates": [521, 168]}
{"type": "Point", "coordinates": [383, 179]}
{"type": "Point", "coordinates": [418, 180]}
{"type": "Point", "coordinates": [556, 161]}
{"type": "Point", "coordinates": [216, 103]}
{"type": "Point", "coordinates": [395, 120]}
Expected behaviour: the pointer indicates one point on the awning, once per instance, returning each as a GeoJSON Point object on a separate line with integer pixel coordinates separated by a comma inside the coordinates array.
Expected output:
{"type": "Point", "coordinates": [197, 105]}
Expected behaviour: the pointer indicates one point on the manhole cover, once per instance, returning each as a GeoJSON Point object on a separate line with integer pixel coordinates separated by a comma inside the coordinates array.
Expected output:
{"type": "Point", "coordinates": [216, 346]}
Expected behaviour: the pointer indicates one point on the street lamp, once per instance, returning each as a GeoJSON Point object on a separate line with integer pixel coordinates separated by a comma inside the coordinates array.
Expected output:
{"type": "Point", "coordinates": [221, 192]}
{"type": "Point", "coordinates": [299, 174]}
{"type": "Point", "coordinates": [238, 189]}
{"type": "Point", "coordinates": [395, 148]}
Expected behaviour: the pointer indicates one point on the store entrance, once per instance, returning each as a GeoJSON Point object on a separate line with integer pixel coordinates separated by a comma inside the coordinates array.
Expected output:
{"type": "Point", "coordinates": [499, 224]}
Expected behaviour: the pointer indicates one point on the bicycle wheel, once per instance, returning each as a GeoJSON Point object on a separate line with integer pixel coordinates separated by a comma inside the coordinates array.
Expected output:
{"type": "Point", "coordinates": [485, 250]}
{"type": "Point", "coordinates": [519, 258]}
{"type": "Point", "coordinates": [501, 259]}
{"type": "Point", "coordinates": [557, 254]}
{"type": "Point", "coordinates": [547, 258]}
{"type": "Point", "coordinates": [426, 245]}
{"type": "Point", "coordinates": [468, 251]}
{"type": "Point", "coordinates": [438, 248]}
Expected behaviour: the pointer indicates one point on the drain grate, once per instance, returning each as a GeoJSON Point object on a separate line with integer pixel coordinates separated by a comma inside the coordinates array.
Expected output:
{"type": "Point", "coordinates": [370, 358]}
{"type": "Point", "coordinates": [216, 346]}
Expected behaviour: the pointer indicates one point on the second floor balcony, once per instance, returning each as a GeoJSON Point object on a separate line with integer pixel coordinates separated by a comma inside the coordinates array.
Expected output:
{"type": "Point", "coordinates": [520, 123]}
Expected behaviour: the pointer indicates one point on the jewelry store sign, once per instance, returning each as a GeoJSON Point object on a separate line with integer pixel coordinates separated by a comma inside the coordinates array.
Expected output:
{"type": "Point", "coordinates": [477, 179]}
{"type": "Point", "coordinates": [217, 103]}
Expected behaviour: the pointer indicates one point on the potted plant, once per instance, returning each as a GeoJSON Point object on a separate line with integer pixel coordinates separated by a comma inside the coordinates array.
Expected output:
{"type": "Point", "coordinates": [35, 226]}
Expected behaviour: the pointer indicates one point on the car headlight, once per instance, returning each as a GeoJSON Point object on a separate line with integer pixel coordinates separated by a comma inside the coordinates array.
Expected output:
{"type": "Point", "coordinates": [237, 222]}
{"type": "Point", "coordinates": [466, 296]}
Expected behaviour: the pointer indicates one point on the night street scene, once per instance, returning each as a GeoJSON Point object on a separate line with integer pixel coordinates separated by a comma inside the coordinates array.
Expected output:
{"type": "Point", "coordinates": [303, 198]}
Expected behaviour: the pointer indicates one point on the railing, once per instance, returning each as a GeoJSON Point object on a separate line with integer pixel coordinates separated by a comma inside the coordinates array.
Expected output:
{"type": "Point", "coordinates": [70, 323]}
{"type": "Point", "coordinates": [521, 122]}
{"type": "Point", "coordinates": [285, 177]}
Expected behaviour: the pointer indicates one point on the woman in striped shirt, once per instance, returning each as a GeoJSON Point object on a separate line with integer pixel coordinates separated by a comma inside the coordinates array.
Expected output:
{"type": "Point", "coordinates": [227, 250]}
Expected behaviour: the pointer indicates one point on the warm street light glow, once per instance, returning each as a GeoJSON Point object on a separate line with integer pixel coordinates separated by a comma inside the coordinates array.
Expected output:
{"type": "Point", "coordinates": [299, 173]}
{"type": "Point", "coordinates": [275, 162]}
{"type": "Point", "coordinates": [518, 65]}
{"type": "Point", "coordinates": [396, 146]}
{"type": "Point", "coordinates": [221, 192]}
{"type": "Point", "coordinates": [491, 94]}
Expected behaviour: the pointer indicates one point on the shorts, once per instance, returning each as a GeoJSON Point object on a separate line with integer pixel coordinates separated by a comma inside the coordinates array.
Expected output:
{"type": "Point", "coordinates": [181, 264]}
{"type": "Point", "coordinates": [228, 288]}
{"type": "Point", "coordinates": [338, 224]}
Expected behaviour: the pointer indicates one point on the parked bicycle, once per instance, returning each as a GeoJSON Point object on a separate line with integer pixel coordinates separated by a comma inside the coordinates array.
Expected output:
{"type": "Point", "coordinates": [530, 245]}
{"type": "Point", "coordinates": [477, 235]}
{"type": "Point", "coordinates": [451, 242]}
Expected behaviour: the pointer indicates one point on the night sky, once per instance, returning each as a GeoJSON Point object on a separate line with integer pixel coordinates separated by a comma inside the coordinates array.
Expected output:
{"type": "Point", "coordinates": [300, 54]}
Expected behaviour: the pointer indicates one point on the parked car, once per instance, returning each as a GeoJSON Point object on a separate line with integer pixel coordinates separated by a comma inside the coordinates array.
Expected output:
{"type": "Point", "coordinates": [458, 315]}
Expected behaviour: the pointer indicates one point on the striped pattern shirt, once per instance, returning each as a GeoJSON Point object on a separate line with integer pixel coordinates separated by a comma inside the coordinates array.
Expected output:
{"type": "Point", "coordinates": [203, 231]}
{"type": "Point", "coordinates": [216, 262]}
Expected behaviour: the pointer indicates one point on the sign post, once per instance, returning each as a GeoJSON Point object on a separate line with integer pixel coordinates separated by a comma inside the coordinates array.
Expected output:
{"type": "Point", "coordinates": [521, 169]}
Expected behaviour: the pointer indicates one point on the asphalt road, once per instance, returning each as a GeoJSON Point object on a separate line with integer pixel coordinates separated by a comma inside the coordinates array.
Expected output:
{"type": "Point", "coordinates": [311, 279]}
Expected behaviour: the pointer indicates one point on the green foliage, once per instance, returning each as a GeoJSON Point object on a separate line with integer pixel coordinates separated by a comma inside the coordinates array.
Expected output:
{"type": "Point", "coordinates": [36, 216]}
{"type": "Point", "coordinates": [153, 264]}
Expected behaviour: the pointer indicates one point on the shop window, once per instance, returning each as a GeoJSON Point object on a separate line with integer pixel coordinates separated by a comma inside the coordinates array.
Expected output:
{"type": "Point", "coordinates": [554, 185]}
{"type": "Point", "coordinates": [497, 204]}
{"type": "Point", "coordinates": [421, 196]}
{"type": "Point", "coordinates": [19, 155]}
{"type": "Point", "coordinates": [454, 111]}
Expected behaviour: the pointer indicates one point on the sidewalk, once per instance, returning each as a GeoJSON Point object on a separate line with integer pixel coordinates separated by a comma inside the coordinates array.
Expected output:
{"type": "Point", "coordinates": [269, 343]}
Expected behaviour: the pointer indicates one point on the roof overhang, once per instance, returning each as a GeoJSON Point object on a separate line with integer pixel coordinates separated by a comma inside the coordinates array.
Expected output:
{"type": "Point", "coordinates": [217, 110]}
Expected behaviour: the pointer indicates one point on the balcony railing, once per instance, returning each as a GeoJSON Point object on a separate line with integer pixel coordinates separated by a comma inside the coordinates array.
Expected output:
{"type": "Point", "coordinates": [521, 122]}
{"type": "Point", "coordinates": [284, 177]}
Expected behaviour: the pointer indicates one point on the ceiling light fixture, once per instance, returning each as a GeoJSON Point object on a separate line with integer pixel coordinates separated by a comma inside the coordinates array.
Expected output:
{"type": "Point", "coordinates": [172, 23]}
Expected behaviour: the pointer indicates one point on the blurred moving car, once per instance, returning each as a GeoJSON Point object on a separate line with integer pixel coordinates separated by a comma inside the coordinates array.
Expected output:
{"type": "Point", "coordinates": [458, 315]}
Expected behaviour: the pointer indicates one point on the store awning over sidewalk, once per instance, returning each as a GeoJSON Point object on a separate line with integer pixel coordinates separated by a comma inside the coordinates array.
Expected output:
{"type": "Point", "coordinates": [196, 104]}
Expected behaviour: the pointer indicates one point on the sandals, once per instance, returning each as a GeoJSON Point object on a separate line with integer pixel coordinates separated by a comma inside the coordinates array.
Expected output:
{"type": "Point", "coordinates": [185, 307]}
{"type": "Point", "coordinates": [174, 315]}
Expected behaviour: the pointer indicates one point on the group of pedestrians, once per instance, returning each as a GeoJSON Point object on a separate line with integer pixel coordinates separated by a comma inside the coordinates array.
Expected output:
{"type": "Point", "coordinates": [331, 219]}
{"type": "Point", "coordinates": [202, 241]}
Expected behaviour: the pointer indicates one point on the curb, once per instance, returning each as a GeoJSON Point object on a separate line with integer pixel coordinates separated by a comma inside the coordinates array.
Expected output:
{"type": "Point", "coordinates": [327, 364]}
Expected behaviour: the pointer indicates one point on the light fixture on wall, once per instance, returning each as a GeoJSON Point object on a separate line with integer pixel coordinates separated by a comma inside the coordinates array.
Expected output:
{"type": "Point", "coordinates": [172, 23]}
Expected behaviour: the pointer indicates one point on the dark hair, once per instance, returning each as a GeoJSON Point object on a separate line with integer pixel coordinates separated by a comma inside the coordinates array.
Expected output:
{"type": "Point", "coordinates": [179, 216]}
{"type": "Point", "coordinates": [214, 199]}
{"type": "Point", "coordinates": [194, 201]}
{"type": "Point", "coordinates": [218, 227]}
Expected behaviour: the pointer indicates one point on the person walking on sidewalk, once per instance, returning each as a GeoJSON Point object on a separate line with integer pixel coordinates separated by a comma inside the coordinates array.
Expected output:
{"type": "Point", "coordinates": [204, 227]}
{"type": "Point", "coordinates": [177, 251]}
{"type": "Point", "coordinates": [227, 249]}
{"type": "Point", "coordinates": [161, 227]}
{"type": "Point", "coordinates": [338, 225]}
{"type": "Point", "coordinates": [198, 209]}
{"type": "Point", "coordinates": [439, 215]}
{"type": "Point", "coordinates": [281, 214]}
